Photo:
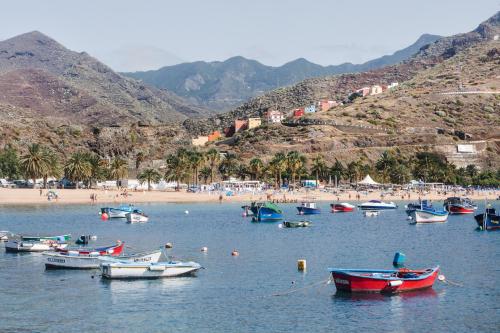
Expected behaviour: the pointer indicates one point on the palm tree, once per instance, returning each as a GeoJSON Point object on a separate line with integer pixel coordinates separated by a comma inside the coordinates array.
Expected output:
{"type": "Point", "coordinates": [35, 163]}
{"type": "Point", "coordinates": [149, 176]}
{"type": "Point", "coordinates": [118, 169]}
{"type": "Point", "coordinates": [352, 171]}
{"type": "Point", "coordinates": [294, 161]}
{"type": "Point", "coordinates": [78, 168]}
{"type": "Point", "coordinates": [178, 167]}
{"type": "Point", "coordinates": [242, 171]}
{"type": "Point", "coordinates": [54, 168]}
{"type": "Point", "coordinates": [228, 166]}
{"type": "Point", "coordinates": [318, 167]}
{"type": "Point", "coordinates": [205, 173]}
{"type": "Point", "coordinates": [213, 157]}
{"type": "Point", "coordinates": [195, 161]}
{"type": "Point", "coordinates": [278, 166]}
{"type": "Point", "coordinates": [139, 158]}
{"type": "Point", "coordinates": [337, 171]}
{"type": "Point", "coordinates": [385, 164]}
{"type": "Point", "coordinates": [98, 168]}
{"type": "Point", "coordinates": [256, 167]}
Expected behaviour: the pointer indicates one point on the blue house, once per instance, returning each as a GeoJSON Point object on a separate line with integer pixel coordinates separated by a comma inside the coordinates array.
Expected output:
{"type": "Point", "coordinates": [310, 109]}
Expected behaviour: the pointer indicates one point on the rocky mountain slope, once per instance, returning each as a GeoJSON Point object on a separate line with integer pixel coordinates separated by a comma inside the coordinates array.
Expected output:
{"type": "Point", "coordinates": [41, 78]}
{"type": "Point", "coordinates": [222, 85]}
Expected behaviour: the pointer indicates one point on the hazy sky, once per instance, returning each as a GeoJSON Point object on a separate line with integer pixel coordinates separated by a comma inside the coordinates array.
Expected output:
{"type": "Point", "coordinates": [132, 35]}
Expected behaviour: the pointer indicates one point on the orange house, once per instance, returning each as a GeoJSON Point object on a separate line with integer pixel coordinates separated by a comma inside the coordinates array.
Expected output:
{"type": "Point", "coordinates": [214, 136]}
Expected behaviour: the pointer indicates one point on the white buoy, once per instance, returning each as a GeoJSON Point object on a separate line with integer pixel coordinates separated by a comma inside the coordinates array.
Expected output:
{"type": "Point", "coordinates": [186, 212]}
{"type": "Point", "coordinates": [280, 225]}
{"type": "Point", "coordinates": [204, 249]}
{"type": "Point", "coordinates": [441, 277]}
{"type": "Point", "coordinates": [93, 237]}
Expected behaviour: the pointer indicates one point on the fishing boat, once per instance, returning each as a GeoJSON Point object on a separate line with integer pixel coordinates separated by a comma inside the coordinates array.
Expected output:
{"type": "Point", "coordinates": [265, 212]}
{"type": "Point", "coordinates": [489, 220]}
{"type": "Point", "coordinates": [371, 213]}
{"type": "Point", "coordinates": [377, 205]}
{"type": "Point", "coordinates": [422, 204]}
{"type": "Point", "coordinates": [296, 224]}
{"type": "Point", "coordinates": [383, 281]}
{"type": "Point", "coordinates": [75, 260]}
{"type": "Point", "coordinates": [137, 217]}
{"type": "Point", "coordinates": [61, 238]}
{"type": "Point", "coordinates": [308, 208]}
{"type": "Point", "coordinates": [428, 215]}
{"type": "Point", "coordinates": [457, 205]}
{"type": "Point", "coordinates": [120, 212]}
{"type": "Point", "coordinates": [19, 245]}
{"type": "Point", "coordinates": [123, 270]}
{"type": "Point", "coordinates": [112, 250]}
{"type": "Point", "coordinates": [247, 211]}
{"type": "Point", "coordinates": [342, 207]}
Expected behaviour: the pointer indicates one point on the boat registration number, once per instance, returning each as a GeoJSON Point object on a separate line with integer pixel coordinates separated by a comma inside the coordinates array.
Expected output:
{"type": "Point", "coordinates": [342, 281]}
{"type": "Point", "coordinates": [56, 260]}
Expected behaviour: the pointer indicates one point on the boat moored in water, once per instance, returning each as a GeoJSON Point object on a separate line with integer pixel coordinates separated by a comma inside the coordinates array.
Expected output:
{"type": "Point", "coordinates": [137, 217]}
{"type": "Point", "coordinates": [265, 212]}
{"type": "Point", "coordinates": [19, 245]}
{"type": "Point", "coordinates": [422, 204]}
{"type": "Point", "coordinates": [370, 213]}
{"type": "Point", "coordinates": [428, 216]}
{"type": "Point", "coordinates": [377, 205]}
{"type": "Point", "coordinates": [383, 281]}
{"type": "Point", "coordinates": [120, 212]}
{"type": "Point", "coordinates": [112, 250]}
{"type": "Point", "coordinates": [342, 207]}
{"type": "Point", "coordinates": [489, 220]}
{"type": "Point", "coordinates": [457, 205]}
{"type": "Point", "coordinates": [70, 260]}
{"type": "Point", "coordinates": [308, 208]}
{"type": "Point", "coordinates": [122, 270]}
{"type": "Point", "coordinates": [296, 224]}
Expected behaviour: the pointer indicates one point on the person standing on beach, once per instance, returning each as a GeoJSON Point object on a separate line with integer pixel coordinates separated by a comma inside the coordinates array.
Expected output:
{"type": "Point", "coordinates": [220, 198]}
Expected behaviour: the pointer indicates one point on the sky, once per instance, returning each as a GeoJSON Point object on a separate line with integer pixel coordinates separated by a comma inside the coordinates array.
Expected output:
{"type": "Point", "coordinates": [132, 35]}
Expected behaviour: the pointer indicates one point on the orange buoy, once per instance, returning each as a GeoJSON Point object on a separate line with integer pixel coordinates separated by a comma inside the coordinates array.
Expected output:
{"type": "Point", "coordinates": [104, 216]}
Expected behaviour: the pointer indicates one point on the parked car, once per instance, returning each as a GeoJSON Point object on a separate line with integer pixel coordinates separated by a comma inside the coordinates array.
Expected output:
{"type": "Point", "coordinates": [6, 184]}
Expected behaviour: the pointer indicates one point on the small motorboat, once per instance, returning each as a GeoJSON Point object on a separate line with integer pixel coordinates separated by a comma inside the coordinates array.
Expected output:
{"type": "Point", "coordinates": [247, 210]}
{"type": "Point", "coordinates": [296, 224]}
{"type": "Point", "coordinates": [112, 250]}
{"type": "Point", "coordinates": [428, 215]}
{"type": "Point", "coordinates": [377, 205]}
{"type": "Point", "coordinates": [61, 238]}
{"type": "Point", "coordinates": [342, 207]}
{"type": "Point", "coordinates": [4, 235]}
{"type": "Point", "coordinates": [308, 208]}
{"type": "Point", "coordinates": [70, 260]}
{"type": "Point", "coordinates": [489, 220]}
{"type": "Point", "coordinates": [371, 213]}
{"type": "Point", "coordinates": [120, 212]}
{"type": "Point", "coordinates": [19, 245]}
{"type": "Point", "coordinates": [423, 204]}
{"type": "Point", "coordinates": [383, 281]}
{"type": "Point", "coordinates": [265, 212]}
{"type": "Point", "coordinates": [122, 270]}
{"type": "Point", "coordinates": [137, 216]}
{"type": "Point", "coordinates": [457, 205]}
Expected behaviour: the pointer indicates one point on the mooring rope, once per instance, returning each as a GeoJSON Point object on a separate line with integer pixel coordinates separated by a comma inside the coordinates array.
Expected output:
{"type": "Point", "coordinates": [288, 292]}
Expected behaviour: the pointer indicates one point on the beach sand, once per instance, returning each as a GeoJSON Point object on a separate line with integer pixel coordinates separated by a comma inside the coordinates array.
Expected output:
{"type": "Point", "coordinates": [82, 196]}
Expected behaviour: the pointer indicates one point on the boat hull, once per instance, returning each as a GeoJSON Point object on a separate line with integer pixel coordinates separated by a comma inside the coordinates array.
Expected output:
{"type": "Point", "coordinates": [26, 246]}
{"type": "Point", "coordinates": [427, 216]}
{"type": "Point", "coordinates": [341, 208]}
{"type": "Point", "coordinates": [384, 282]}
{"type": "Point", "coordinates": [148, 271]}
{"type": "Point", "coordinates": [268, 215]}
{"type": "Point", "coordinates": [488, 221]}
{"type": "Point", "coordinates": [377, 206]}
{"type": "Point", "coordinates": [136, 218]}
{"type": "Point", "coordinates": [459, 209]}
{"type": "Point", "coordinates": [296, 224]}
{"type": "Point", "coordinates": [64, 261]}
{"type": "Point", "coordinates": [308, 211]}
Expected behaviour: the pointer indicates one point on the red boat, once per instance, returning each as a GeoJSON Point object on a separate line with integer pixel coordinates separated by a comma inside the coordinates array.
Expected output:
{"type": "Point", "coordinates": [342, 207]}
{"type": "Point", "coordinates": [113, 250]}
{"type": "Point", "coordinates": [456, 205]}
{"type": "Point", "coordinates": [383, 281]}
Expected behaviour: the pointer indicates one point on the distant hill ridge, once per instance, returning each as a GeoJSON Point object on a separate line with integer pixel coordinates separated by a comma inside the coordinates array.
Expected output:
{"type": "Point", "coordinates": [222, 85]}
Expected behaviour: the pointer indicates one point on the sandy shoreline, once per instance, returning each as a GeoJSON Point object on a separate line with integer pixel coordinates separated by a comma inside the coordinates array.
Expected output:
{"type": "Point", "coordinates": [82, 196]}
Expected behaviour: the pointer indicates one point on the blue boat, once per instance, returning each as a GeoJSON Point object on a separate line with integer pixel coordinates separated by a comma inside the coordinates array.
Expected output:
{"type": "Point", "coordinates": [120, 212]}
{"type": "Point", "coordinates": [265, 212]}
{"type": "Point", "coordinates": [422, 205]}
{"type": "Point", "coordinates": [489, 220]}
{"type": "Point", "coordinates": [308, 208]}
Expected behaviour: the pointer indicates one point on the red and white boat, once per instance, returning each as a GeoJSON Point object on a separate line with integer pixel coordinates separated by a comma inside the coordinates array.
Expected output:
{"type": "Point", "coordinates": [342, 207]}
{"type": "Point", "coordinates": [383, 281]}
{"type": "Point", "coordinates": [457, 205]}
{"type": "Point", "coordinates": [113, 250]}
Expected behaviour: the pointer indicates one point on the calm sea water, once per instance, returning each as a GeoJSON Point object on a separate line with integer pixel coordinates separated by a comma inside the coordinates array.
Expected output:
{"type": "Point", "coordinates": [235, 294]}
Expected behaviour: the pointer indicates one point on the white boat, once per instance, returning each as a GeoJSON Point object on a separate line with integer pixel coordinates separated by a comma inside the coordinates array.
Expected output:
{"type": "Point", "coordinates": [4, 235]}
{"type": "Point", "coordinates": [74, 260]}
{"type": "Point", "coordinates": [428, 216]}
{"type": "Point", "coordinates": [377, 205]}
{"type": "Point", "coordinates": [122, 270]}
{"type": "Point", "coordinates": [120, 212]}
{"type": "Point", "coordinates": [15, 245]}
{"type": "Point", "coordinates": [137, 217]}
{"type": "Point", "coordinates": [370, 213]}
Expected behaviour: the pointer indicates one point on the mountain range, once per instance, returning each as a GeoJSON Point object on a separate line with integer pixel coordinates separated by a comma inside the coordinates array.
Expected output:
{"type": "Point", "coordinates": [41, 78]}
{"type": "Point", "coordinates": [221, 86]}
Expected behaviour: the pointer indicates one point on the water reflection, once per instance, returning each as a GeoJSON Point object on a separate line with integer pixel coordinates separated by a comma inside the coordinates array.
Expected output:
{"type": "Point", "coordinates": [378, 297]}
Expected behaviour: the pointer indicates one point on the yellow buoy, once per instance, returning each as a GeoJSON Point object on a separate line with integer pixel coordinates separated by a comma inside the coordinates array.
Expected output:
{"type": "Point", "coordinates": [301, 264]}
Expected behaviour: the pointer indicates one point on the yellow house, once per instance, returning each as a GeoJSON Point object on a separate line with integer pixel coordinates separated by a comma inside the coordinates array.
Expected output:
{"type": "Point", "coordinates": [254, 122]}
{"type": "Point", "coordinates": [200, 141]}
